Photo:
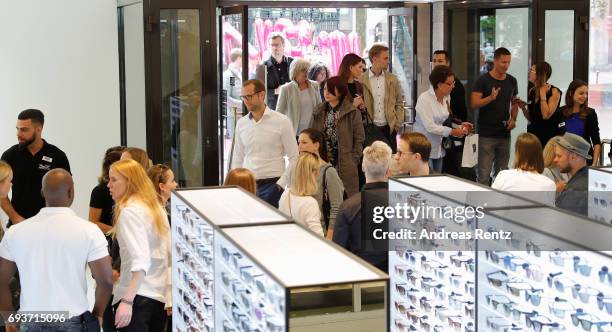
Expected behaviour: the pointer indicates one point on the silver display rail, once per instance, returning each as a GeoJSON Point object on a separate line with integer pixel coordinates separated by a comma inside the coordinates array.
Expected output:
{"type": "Point", "coordinates": [291, 255]}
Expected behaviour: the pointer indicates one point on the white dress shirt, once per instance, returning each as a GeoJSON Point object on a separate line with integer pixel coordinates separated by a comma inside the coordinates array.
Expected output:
{"type": "Point", "coordinates": [51, 251]}
{"type": "Point", "coordinates": [528, 184]}
{"type": "Point", "coordinates": [302, 209]}
{"type": "Point", "coordinates": [377, 83]}
{"type": "Point", "coordinates": [261, 146]}
{"type": "Point", "coordinates": [142, 249]}
{"type": "Point", "coordinates": [430, 115]}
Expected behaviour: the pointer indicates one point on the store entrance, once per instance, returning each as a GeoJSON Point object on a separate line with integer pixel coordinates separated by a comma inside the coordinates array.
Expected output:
{"type": "Point", "coordinates": [321, 35]}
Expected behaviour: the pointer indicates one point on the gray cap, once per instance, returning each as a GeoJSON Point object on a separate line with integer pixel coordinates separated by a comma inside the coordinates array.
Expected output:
{"type": "Point", "coordinates": [574, 143]}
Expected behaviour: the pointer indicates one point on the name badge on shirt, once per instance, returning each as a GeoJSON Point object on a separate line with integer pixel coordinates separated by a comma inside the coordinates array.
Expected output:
{"type": "Point", "coordinates": [562, 124]}
{"type": "Point", "coordinates": [47, 159]}
{"type": "Point", "coordinates": [44, 167]}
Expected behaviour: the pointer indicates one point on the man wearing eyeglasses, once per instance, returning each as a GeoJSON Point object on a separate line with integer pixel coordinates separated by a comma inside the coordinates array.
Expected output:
{"type": "Point", "coordinates": [263, 139]}
{"type": "Point", "coordinates": [412, 155]}
{"type": "Point", "coordinates": [277, 68]}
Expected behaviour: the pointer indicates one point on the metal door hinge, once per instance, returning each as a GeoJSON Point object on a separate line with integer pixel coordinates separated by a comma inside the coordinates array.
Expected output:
{"type": "Point", "coordinates": [584, 20]}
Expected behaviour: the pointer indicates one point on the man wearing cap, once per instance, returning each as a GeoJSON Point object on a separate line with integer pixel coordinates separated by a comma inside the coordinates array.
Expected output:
{"type": "Point", "coordinates": [571, 156]}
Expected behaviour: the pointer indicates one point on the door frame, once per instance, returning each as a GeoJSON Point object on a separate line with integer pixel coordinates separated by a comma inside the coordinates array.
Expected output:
{"type": "Point", "coordinates": [209, 119]}
{"type": "Point", "coordinates": [581, 32]}
{"type": "Point", "coordinates": [405, 11]}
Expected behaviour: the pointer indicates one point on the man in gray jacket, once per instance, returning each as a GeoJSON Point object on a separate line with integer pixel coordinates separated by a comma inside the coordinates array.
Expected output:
{"type": "Point", "coordinates": [571, 156]}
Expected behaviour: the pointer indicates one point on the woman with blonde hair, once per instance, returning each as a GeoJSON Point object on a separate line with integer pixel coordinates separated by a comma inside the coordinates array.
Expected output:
{"type": "Point", "coordinates": [142, 230]}
{"type": "Point", "coordinates": [141, 156]}
{"type": "Point", "coordinates": [163, 182]}
{"type": "Point", "coordinates": [298, 202]}
{"type": "Point", "coordinates": [526, 176]}
{"type": "Point", "coordinates": [243, 178]}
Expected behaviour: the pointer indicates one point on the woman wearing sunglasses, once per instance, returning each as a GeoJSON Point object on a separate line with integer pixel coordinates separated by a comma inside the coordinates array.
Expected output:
{"type": "Point", "coordinates": [142, 230]}
{"type": "Point", "coordinates": [298, 202]}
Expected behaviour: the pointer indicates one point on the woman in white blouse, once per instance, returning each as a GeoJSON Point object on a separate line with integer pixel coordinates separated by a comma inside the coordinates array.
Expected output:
{"type": "Point", "coordinates": [433, 110]}
{"type": "Point", "coordinates": [526, 176]}
{"type": "Point", "coordinates": [298, 98]}
{"type": "Point", "coordinates": [298, 202]}
{"type": "Point", "coordinates": [143, 233]}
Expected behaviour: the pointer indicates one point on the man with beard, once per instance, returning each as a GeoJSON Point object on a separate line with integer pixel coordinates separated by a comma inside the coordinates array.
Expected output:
{"type": "Point", "coordinates": [31, 159]}
{"type": "Point", "coordinates": [571, 155]}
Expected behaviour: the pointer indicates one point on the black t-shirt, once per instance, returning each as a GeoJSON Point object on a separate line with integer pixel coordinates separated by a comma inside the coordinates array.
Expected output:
{"type": "Point", "coordinates": [102, 199]}
{"type": "Point", "coordinates": [544, 129]}
{"type": "Point", "coordinates": [28, 171]}
{"type": "Point", "coordinates": [278, 74]}
{"type": "Point", "coordinates": [493, 117]}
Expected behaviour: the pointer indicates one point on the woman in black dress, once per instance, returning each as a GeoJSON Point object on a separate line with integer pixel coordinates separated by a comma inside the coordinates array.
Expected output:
{"type": "Point", "coordinates": [543, 103]}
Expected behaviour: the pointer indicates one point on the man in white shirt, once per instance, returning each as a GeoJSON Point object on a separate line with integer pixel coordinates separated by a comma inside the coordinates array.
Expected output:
{"type": "Point", "coordinates": [382, 94]}
{"type": "Point", "coordinates": [263, 139]}
{"type": "Point", "coordinates": [51, 251]}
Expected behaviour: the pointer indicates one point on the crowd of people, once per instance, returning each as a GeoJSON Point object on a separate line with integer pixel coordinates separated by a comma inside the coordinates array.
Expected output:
{"type": "Point", "coordinates": [312, 146]}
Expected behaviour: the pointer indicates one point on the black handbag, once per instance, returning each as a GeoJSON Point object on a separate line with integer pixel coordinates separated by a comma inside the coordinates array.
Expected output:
{"type": "Point", "coordinates": [372, 132]}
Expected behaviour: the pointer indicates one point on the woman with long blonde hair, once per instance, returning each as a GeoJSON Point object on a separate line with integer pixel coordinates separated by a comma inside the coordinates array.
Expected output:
{"type": "Point", "coordinates": [142, 230]}
{"type": "Point", "coordinates": [298, 202]}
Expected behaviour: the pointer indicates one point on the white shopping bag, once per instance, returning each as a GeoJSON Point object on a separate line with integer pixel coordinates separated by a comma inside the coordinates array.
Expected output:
{"type": "Point", "coordinates": [470, 151]}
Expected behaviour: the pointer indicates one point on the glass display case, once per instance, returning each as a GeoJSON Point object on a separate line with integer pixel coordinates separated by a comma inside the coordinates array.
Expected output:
{"type": "Point", "coordinates": [600, 194]}
{"type": "Point", "coordinates": [551, 274]}
{"type": "Point", "coordinates": [240, 265]}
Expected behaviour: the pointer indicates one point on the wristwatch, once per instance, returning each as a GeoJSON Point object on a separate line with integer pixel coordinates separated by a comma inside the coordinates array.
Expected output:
{"type": "Point", "coordinates": [127, 302]}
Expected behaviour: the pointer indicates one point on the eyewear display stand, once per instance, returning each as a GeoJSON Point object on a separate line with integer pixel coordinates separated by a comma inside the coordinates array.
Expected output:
{"type": "Point", "coordinates": [241, 265]}
{"type": "Point", "coordinates": [600, 194]}
{"type": "Point", "coordinates": [497, 284]}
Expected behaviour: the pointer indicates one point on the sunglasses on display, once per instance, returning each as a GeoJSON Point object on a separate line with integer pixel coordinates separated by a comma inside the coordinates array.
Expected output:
{"type": "Point", "coordinates": [533, 249]}
{"type": "Point", "coordinates": [498, 278]}
{"type": "Point", "coordinates": [604, 274]}
{"type": "Point", "coordinates": [585, 293]}
{"type": "Point", "coordinates": [559, 257]}
{"type": "Point", "coordinates": [587, 321]}
{"type": "Point", "coordinates": [497, 323]}
{"type": "Point", "coordinates": [581, 266]}
{"type": "Point", "coordinates": [495, 300]}
{"type": "Point", "coordinates": [604, 301]}
{"type": "Point", "coordinates": [538, 322]}
{"type": "Point", "coordinates": [601, 185]}
{"type": "Point", "coordinates": [457, 301]}
{"type": "Point", "coordinates": [560, 307]}
{"type": "Point", "coordinates": [559, 282]}
{"type": "Point", "coordinates": [601, 201]}
{"type": "Point", "coordinates": [534, 272]}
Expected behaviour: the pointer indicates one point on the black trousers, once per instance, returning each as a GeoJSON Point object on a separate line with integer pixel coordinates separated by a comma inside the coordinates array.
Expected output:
{"type": "Point", "coordinates": [148, 315]}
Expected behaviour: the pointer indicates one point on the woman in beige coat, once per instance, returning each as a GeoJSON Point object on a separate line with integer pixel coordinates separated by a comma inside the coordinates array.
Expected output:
{"type": "Point", "coordinates": [341, 122]}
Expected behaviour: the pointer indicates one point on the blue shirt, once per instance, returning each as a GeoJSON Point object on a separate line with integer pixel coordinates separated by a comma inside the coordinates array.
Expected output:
{"type": "Point", "coordinates": [575, 125]}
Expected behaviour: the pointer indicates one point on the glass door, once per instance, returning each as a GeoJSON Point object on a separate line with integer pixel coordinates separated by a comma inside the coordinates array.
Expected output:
{"type": "Point", "coordinates": [181, 91]}
{"type": "Point", "coordinates": [402, 45]}
{"type": "Point", "coordinates": [562, 40]}
{"type": "Point", "coordinates": [232, 57]}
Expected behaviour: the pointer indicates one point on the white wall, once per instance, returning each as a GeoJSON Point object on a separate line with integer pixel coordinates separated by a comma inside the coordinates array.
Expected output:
{"type": "Point", "coordinates": [61, 57]}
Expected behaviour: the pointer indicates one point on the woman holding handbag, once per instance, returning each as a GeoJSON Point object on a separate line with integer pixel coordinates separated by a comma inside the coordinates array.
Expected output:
{"type": "Point", "coordinates": [432, 112]}
{"type": "Point", "coordinates": [341, 122]}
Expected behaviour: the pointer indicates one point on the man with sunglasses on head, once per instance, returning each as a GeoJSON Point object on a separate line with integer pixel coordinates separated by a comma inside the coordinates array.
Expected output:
{"type": "Point", "coordinates": [262, 140]}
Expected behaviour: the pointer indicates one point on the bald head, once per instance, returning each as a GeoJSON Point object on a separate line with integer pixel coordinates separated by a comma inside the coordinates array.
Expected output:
{"type": "Point", "coordinates": [58, 188]}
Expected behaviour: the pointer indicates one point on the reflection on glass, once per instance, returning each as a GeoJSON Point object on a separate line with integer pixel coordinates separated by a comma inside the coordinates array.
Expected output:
{"type": "Point", "coordinates": [403, 54]}
{"type": "Point", "coordinates": [181, 94]}
{"type": "Point", "coordinates": [559, 47]}
{"type": "Point", "coordinates": [600, 67]}
{"type": "Point", "coordinates": [231, 106]}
